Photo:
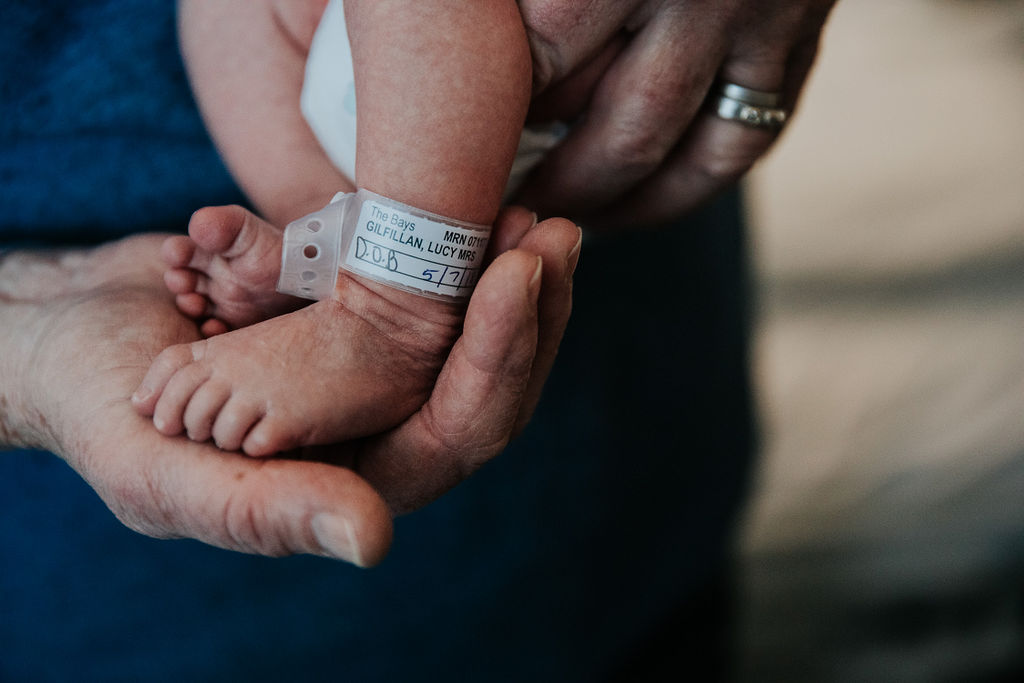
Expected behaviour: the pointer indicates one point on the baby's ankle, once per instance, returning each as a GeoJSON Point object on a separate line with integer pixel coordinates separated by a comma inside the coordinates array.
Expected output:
{"type": "Point", "coordinates": [419, 323]}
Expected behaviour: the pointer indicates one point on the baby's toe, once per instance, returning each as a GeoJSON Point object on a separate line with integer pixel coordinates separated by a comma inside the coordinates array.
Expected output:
{"type": "Point", "coordinates": [177, 251]}
{"type": "Point", "coordinates": [168, 416]}
{"type": "Point", "coordinates": [192, 305]}
{"type": "Point", "coordinates": [213, 327]}
{"type": "Point", "coordinates": [183, 281]}
{"type": "Point", "coordinates": [269, 436]}
{"type": "Point", "coordinates": [203, 409]}
{"type": "Point", "coordinates": [168, 362]}
{"type": "Point", "coordinates": [233, 422]}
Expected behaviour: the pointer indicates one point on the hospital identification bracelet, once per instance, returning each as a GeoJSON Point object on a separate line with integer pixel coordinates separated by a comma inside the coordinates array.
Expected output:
{"type": "Point", "coordinates": [384, 240]}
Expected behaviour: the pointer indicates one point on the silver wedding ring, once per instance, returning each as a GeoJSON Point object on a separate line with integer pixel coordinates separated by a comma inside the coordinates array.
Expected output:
{"type": "Point", "coordinates": [754, 108]}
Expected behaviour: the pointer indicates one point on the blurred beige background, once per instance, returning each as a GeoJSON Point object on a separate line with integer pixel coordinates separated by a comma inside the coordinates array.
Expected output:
{"type": "Point", "coordinates": [885, 539]}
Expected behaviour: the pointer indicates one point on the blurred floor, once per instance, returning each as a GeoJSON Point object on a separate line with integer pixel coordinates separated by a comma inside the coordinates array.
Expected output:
{"type": "Point", "coordinates": [885, 540]}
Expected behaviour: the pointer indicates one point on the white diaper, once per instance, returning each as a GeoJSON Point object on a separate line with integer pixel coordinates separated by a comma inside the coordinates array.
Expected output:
{"type": "Point", "coordinates": [329, 103]}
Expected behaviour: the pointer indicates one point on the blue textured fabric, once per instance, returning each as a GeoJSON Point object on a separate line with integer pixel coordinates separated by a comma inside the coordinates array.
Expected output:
{"type": "Point", "coordinates": [555, 562]}
{"type": "Point", "coordinates": [99, 136]}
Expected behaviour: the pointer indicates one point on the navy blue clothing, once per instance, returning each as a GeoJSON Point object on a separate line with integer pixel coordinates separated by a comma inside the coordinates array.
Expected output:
{"type": "Point", "coordinates": [557, 561]}
{"type": "Point", "coordinates": [99, 136]}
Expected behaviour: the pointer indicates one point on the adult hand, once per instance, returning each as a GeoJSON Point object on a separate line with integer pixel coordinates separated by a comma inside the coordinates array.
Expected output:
{"type": "Point", "coordinates": [647, 148]}
{"type": "Point", "coordinates": [70, 356]}
{"type": "Point", "coordinates": [493, 378]}
{"type": "Point", "coordinates": [77, 332]}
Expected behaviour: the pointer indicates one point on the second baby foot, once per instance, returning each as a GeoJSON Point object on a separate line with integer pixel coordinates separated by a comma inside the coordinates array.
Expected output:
{"type": "Point", "coordinates": [351, 365]}
{"type": "Point", "coordinates": [225, 272]}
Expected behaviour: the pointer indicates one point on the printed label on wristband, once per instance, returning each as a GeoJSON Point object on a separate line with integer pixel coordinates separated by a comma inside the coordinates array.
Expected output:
{"type": "Point", "coordinates": [428, 254]}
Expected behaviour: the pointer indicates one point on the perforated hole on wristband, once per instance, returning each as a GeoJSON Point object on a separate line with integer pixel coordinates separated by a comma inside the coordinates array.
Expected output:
{"type": "Point", "coordinates": [310, 251]}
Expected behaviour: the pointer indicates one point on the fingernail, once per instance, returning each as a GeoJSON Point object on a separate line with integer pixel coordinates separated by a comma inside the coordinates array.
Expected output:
{"type": "Point", "coordinates": [337, 538]}
{"type": "Point", "coordinates": [535, 219]}
{"type": "Point", "coordinates": [534, 285]}
{"type": "Point", "coordinates": [573, 258]}
{"type": "Point", "coordinates": [141, 394]}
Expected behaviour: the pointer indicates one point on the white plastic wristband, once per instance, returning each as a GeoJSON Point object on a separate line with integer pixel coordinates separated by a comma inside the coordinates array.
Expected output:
{"type": "Point", "coordinates": [384, 240]}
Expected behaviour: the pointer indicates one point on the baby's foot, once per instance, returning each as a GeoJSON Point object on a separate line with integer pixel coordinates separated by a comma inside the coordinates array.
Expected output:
{"type": "Point", "coordinates": [351, 365]}
{"type": "Point", "coordinates": [225, 272]}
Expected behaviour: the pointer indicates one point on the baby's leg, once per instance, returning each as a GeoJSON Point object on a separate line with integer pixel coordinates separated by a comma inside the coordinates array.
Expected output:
{"type": "Point", "coordinates": [442, 90]}
{"type": "Point", "coordinates": [245, 63]}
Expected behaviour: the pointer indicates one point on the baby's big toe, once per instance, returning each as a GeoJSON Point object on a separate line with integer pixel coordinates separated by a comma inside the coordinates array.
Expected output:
{"type": "Point", "coordinates": [225, 230]}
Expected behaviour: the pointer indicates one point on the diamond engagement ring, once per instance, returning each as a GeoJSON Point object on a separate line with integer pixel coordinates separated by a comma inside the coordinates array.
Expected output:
{"type": "Point", "coordinates": [750, 107]}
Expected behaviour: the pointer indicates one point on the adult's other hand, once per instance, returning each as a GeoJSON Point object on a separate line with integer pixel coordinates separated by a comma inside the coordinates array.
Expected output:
{"type": "Point", "coordinates": [647, 145]}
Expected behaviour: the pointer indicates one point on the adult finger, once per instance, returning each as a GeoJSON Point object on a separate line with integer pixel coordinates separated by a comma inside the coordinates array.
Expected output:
{"type": "Point", "coordinates": [567, 99]}
{"type": "Point", "coordinates": [173, 488]}
{"type": "Point", "coordinates": [471, 413]}
{"type": "Point", "coordinates": [715, 153]}
{"type": "Point", "coordinates": [565, 35]}
{"type": "Point", "coordinates": [773, 45]}
{"type": "Point", "coordinates": [557, 241]}
{"type": "Point", "coordinates": [712, 157]}
{"type": "Point", "coordinates": [512, 223]}
{"type": "Point", "coordinates": [636, 115]}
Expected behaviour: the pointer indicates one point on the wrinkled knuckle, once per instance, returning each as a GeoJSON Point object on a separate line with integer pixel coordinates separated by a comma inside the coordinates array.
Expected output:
{"type": "Point", "coordinates": [445, 441]}
{"type": "Point", "coordinates": [633, 148]}
{"type": "Point", "coordinates": [642, 134]}
{"type": "Point", "coordinates": [466, 446]}
{"type": "Point", "coordinates": [245, 523]}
